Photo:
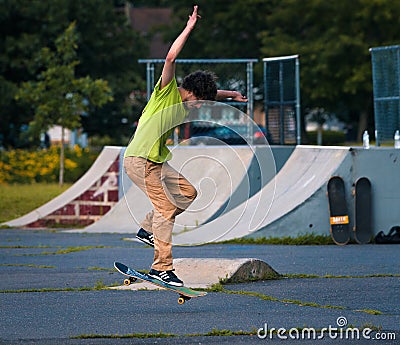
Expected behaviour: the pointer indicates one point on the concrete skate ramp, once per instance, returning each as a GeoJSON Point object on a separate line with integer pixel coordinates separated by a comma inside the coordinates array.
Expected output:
{"type": "Point", "coordinates": [100, 179]}
{"type": "Point", "coordinates": [205, 272]}
{"type": "Point", "coordinates": [216, 172]}
{"type": "Point", "coordinates": [304, 174]}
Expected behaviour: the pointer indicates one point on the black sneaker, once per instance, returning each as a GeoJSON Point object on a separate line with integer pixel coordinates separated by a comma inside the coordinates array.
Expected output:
{"type": "Point", "coordinates": [145, 237]}
{"type": "Point", "coordinates": [167, 277]}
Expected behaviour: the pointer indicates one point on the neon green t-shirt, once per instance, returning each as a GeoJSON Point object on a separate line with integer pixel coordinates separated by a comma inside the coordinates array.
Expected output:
{"type": "Point", "coordinates": [162, 114]}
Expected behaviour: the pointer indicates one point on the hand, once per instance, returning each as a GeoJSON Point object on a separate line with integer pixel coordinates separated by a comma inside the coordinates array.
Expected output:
{"type": "Point", "coordinates": [193, 18]}
{"type": "Point", "coordinates": [238, 97]}
{"type": "Point", "coordinates": [232, 95]}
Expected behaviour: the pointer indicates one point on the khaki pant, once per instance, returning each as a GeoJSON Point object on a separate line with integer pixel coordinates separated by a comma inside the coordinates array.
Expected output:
{"type": "Point", "coordinates": [170, 194]}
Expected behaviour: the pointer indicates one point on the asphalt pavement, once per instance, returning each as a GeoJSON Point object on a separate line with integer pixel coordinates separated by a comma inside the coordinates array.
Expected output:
{"type": "Point", "coordinates": [53, 290]}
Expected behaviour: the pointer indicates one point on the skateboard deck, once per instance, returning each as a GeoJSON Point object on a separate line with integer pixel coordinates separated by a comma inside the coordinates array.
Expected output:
{"type": "Point", "coordinates": [339, 215]}
{"type": "Point", "coordinates": [185, 293]}
{"type": "Point", "coordinates": [362, 219]}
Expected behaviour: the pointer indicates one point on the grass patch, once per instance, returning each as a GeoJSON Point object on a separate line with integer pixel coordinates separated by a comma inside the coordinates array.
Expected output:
{"type": "Point", "coordinates": [99, 285]}
{"type": "Point", "coordinates": [213, 333]}
{"type": "Point", "coordinates": [220, 288]}
{"type": "Point", "coordinates": [49, 290]}
{"type": "Point", "coordinates": [125, 336]}
{"type": "Point", "coordinates": [24, 198]}
{"type": "Point", "coordinates": [23, 247]}
{"type": "Point", "coordinates": [329, 276]}
{"type": "Point", "coordinates": [370, 311]}
{"type": "Point", "coordinates": [73, 250]}
{"type": "Point", "coordinates": [67, 250]}
{"type": "Point", "coordinates": [27, 265]}
{"type": "Point", "coordinates": [308, 239]}
{"type": "Point", "coordinates": [94, 268]}
{"type": "Point", "coordinates": [223, 333]}
{"type": "Point", "coordinates": [328, 137]}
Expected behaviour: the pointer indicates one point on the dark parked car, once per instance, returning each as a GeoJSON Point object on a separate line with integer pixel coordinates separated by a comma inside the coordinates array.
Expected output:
{"type": "Point", "coordinates": [232, 135]}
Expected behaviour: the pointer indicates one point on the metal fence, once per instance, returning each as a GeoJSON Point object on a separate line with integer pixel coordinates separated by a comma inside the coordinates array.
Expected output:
{"type": "Point", "coordinates": [282, 99]}
{"type": "Point", "coordinates": [386, 88]}
{"type": "Point", "coordinates": [281, 95]}
{"type": "Point", "coordinates": [232, 74]}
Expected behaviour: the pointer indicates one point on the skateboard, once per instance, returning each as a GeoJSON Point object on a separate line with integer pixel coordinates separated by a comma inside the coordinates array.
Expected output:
{"type": "Point", "coordinates": [185, 293]}
{"type": "Point", "coordinates": [339, 215]}
{"type": "Point", "coordinates": [362, 217]}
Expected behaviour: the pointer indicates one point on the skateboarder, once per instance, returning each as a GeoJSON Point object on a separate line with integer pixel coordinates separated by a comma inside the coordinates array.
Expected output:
{"type": "Point", "coordinates": [145, 159]}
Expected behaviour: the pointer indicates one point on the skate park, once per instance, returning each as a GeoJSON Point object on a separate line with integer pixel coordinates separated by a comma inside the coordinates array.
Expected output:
{"type": "Point", "coordinates": [273, 191]}
{"type": "Point", "coordinates": [247, 190]}
{"type": "Point", "coordinates": [250, 201]}
{"type": "Point", "coordinates": [69, 293]}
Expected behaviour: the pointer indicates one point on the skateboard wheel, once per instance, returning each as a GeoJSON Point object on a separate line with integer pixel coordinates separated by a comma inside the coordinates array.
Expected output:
{"type": "Point", "coordinates": [182, 299]}
{"type": "Point", "coordinates": [127, 281]}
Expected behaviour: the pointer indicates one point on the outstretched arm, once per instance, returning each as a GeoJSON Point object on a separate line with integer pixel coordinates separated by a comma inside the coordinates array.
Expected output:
{"type": "Point", "coordinates": [234, 95]}
{"type": "Point", "coordinates": [168, 72]}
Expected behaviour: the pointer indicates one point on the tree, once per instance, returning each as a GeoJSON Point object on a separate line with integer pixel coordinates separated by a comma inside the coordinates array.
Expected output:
{"type": "Point", "coordinates": [108, 49]}
{"type": "Point", "coordinates": [58, 97]}
{"type": "Point", "coordinates": [333, 39]}
{"type": "Point", "coordinates": [228, 29]}
{"type": "Point", "coordinates": [20, 23]}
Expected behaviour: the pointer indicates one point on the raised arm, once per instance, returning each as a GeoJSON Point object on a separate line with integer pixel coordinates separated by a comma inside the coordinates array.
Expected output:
{"type": "Point", "coordinates": [234, 95]}
{"type": "Point", "coordinates": [168, 72]}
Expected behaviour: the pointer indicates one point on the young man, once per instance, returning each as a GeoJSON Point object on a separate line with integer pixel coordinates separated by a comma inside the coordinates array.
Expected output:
{"type": "Point", "coordinates": [145, 159]}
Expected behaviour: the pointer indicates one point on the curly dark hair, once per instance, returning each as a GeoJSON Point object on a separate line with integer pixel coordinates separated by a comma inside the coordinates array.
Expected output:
{"type": "Point", "coordinates": [202, 84]}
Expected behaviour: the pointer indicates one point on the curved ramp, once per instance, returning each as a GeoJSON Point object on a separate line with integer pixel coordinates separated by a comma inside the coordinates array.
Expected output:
{"type": "Point", "coordinates": [216, 172]}
{"type": "Point", "coordinates": [301, 181]}
{"type": "Point", "coordinates": [85, 201]}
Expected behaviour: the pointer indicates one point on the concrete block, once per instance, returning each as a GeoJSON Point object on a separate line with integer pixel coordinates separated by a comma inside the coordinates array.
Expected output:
{"type": "Point", "coordinates": [205, 272]}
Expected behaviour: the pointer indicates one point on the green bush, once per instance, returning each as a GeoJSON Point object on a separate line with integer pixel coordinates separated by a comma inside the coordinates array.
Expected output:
{"type": "Point", "coordinates": [28, 166]}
